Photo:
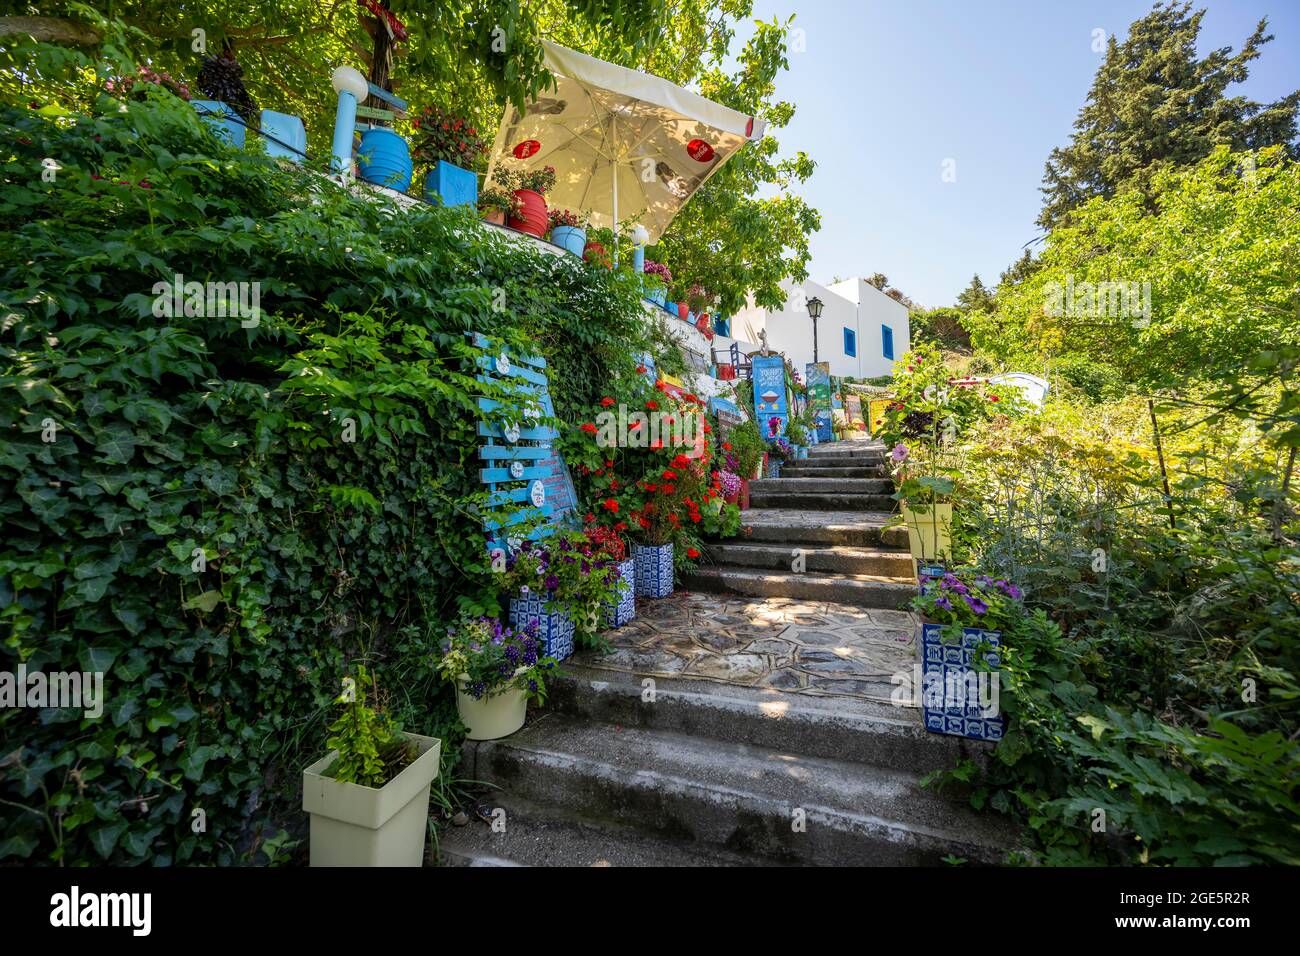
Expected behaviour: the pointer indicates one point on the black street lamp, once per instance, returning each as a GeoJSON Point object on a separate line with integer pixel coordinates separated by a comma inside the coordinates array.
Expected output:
{"type": "Point", "coordinates": [815, 310]}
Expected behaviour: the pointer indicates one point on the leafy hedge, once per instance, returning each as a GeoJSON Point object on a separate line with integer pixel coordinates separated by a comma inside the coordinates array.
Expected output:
{"type": "Point", "coordinates": [201, 528]}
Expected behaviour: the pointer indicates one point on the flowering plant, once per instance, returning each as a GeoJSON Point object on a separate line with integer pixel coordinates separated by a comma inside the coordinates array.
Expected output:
{"type": "Point", "coordinates": [781, 448]}
{"type": "Point", "coordinates": [126, 85]}
{"type": "Point", "coordinates": [659, 271]}
{"type": "Point", "coordinates": [494, 198]}
{"type": "Point", "coordinates": [730, 483]}
{"type": "Point", "coordinates": [569, 572]}
{"type": "Point", "coordinates": [441, 136]}
{"type": "Point", "coordinates": [538, 180]}
{"type": "Point", "coordinates": [491, 656]}
{"type": "Point", "coordinates": [562, 217]}
{"type": "Point", "coordinates": [970, 600]}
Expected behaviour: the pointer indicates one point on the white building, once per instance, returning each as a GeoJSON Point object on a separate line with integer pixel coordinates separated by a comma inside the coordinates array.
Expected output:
{"type": "Point", "coordinates": [860, 333]}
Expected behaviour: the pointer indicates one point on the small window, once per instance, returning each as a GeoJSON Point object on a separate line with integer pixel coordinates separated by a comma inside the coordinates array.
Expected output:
{"type": "Point", "coordinates": [887, 341]}
{"type": "Point", "coordinates": [850, 343]}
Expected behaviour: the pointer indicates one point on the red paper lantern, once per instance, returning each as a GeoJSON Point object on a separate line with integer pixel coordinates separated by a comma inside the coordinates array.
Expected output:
{"type": "Point", "coordinates": [527, 148]}
{"type": "Point", "coordinates": [699, 151]}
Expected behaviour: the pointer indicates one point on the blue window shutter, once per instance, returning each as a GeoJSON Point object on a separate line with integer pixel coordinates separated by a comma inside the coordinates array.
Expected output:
{"type": "Point", "coordinates": [850, 342]}
{"type": "Point", "coordinates": [887, 341]}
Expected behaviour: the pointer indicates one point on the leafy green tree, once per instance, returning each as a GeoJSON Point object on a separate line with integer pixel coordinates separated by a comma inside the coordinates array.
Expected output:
{"type": "Point", "coordinates": [1191, 292]}
{"type": "Point", "coordinates": [1153, 104]}
{"type": "Point", "coordinates": [879, 280]}
{"type": "Point", "coordinates": [941, 326]}
{"type": "Point", "coordinates": [976, 297]}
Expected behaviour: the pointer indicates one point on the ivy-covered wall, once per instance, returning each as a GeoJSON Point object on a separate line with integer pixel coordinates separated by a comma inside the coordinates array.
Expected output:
{"type": "Point", "coordinates": [222, 513]}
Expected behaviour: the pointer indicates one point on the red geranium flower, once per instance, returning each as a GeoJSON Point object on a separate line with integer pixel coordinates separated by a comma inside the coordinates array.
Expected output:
{"type": "Point", "coordinates": [652, 405]}
{"type": "Point", "coordinates": [668, 475]}
{"type": "Point", "coordinates": [692, 553]}
{"type": "Point", "coordinates": [606, 402]}
{"type": "Point", "coordinates": [610, 504]}
{"type": "Point", "coordinates": [589, 428]}
{"type": "Point", "coordinates": [726, 446]}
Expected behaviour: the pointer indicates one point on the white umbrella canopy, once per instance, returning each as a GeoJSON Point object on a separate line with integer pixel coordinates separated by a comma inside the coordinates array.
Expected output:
{"type": "Point", "coordinates": [625, 145]}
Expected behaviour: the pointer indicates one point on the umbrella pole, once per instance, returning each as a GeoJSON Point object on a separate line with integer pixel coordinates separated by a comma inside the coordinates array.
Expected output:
{"type": "Point", "coordinates": [613, 129]}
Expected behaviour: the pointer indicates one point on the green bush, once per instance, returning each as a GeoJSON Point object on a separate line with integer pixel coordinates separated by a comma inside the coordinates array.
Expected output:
{"type": "Point", "coordinates": [228, 518]}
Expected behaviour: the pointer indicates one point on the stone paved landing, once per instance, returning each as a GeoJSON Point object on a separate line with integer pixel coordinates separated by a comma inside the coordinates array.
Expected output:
{"type": "Point", "coordinates": [799, 647]}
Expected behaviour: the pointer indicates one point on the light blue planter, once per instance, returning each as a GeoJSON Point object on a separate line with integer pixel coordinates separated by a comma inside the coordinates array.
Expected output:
{"type": "Point", "coordinates": [570, 238]}
{"type": "Point", "coordinates": [616, 615]}
{"type": "Point", "coordinates": [654, 569]}
{"type": "Point", "coordinates": [555, 628]}
{"type": "Point", "coordinates": [284, 136]}
{"type": "Point", "coordinates": [384, 159]}
{"type": "Point", "coordinates": [222, 118]}
{"type": "Point", "coordinates": [450, 185]}
{"type": "Point", "coordinates": [670, 307]}
{"type": "Point", "coordinates": [945, 667]}
{"type": "Point", "coordinates": [803, 452]}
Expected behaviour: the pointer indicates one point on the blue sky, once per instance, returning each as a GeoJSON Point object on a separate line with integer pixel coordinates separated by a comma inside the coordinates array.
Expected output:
{"type": "Point", "coordinates": [888, 90]}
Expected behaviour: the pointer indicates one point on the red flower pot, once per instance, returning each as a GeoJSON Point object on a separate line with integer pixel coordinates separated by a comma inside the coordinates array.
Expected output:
{"type": "Point", "coordinates": [533, 207]}
{"type": "Point", "coordinates": [497, 216]}
{"type": "Point", "coordinates": [743, 497]}
{"type": "Point", "coordinates": [595, 252]}
{"type": "Point", "coordinates": [683, 310]}
{"type": "Point", "coordinates": [726, 371]}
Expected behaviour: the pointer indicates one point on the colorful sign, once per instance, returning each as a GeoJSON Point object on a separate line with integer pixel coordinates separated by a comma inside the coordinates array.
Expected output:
{"type": "Point", "coordinates": [819, 398]}
{"type": "Point", "coordinates": [699, 151]}
{"type": "Point", "coordinates": [876, 412]}
{"type": "Point", "coordinates": [527, 148]}
{"type": "Point", "coordinates": [769, 394]}
{"type": "Point", "coordinates": [729, 416]}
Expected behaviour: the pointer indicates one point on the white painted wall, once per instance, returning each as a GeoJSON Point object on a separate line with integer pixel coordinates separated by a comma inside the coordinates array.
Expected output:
{"type": "Point", "coordinates": [851, 304]}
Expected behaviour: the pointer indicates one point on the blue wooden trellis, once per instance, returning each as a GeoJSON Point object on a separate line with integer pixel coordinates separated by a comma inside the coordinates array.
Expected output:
{"type": "Point", "coordinates": [513, 452]}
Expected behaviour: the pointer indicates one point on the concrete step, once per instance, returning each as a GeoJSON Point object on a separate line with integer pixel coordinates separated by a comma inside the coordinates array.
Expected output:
{"type": "Point", "coordinates": [847, 450]}
{"type": "Point", "coordinates": [735, 798]}
{"type": "Point", "coordinates": [862, 590]}
{"type": "Point", "coordinates": [861, 529]}
{"type": "Point", "coordinates": [534, 835]}
{"type": "Point", "coordinates": [849, 728]}
{"type": "Point", "coordinates": [817, 469]}
{"type": "Point", "coordinates": [817, 501]}
{"type": "Point", "coordinates": [830, 559]}
{"type": "Point", "coordinates": [818, 485]}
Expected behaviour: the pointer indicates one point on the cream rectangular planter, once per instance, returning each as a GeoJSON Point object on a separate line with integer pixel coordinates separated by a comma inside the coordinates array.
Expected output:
{"type": "Point", "coordinates": [352, 825]}
{"type": "Point", "coordinates": [929, 533]}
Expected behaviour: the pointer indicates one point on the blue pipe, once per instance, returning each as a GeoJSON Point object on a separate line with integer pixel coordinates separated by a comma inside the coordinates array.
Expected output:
{"type": "Point", "coordinates": [345, 122]}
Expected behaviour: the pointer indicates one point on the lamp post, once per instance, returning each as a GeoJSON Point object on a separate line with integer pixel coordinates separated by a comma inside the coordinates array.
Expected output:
{"type": "Point", "coordinates": [815, 311]}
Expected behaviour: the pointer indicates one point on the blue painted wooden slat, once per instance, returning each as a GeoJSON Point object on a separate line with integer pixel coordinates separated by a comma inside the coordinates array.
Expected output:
{"type": "Point", "coordinates": [491, 405]}
{"type": "Point", "coordinates": [502, 475]}
{"type": "Point", "coordinates": [515, 495]}
{"type": "Point", "coordinates": [496, 524]}
{"type": "Point", "coordinates": [516, 371]}
{"type": "Point", "coordinates": [515, 452]}
{"type": "Point", "coordinates": [387, 97]}
{"type": "Point", "coordinates": [541, 433]}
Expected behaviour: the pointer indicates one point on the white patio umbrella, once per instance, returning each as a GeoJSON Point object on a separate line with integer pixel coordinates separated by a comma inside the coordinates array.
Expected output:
{"type": "Point", "coordinates": [625, 145]}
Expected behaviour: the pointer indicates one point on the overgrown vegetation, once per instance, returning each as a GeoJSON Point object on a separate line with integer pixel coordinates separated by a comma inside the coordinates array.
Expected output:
{"type": "Point", "coordinates": [226, 516]}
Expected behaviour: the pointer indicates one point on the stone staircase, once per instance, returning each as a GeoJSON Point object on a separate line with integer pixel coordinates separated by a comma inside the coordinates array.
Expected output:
{"type": "Point", "coordinates": [629, 765]}
{"type": "Point", "coordinates": [819, 532]}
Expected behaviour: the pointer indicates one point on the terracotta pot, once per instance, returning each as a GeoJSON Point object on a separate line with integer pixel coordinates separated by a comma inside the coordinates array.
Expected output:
{"type": "Point", "coordinates": [533, 207]}
{"type": "Point", "coordinates": [743, 497]}
{"type": "Point", "coordinates": [497, 216]}
{"type": "Point", "coordinates": [595, 252]}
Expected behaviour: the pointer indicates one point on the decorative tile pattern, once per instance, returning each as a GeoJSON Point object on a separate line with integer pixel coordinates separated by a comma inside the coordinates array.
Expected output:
{"type": "Point", "coordinates": [797, 647]}
{"type": "Point", "coordinates": [951, 690]}
{"type": "Point", "coordinates": [555, 628]}
{"type": "Point", "coordinates": [654, 569]}
{"type": "Point", "coordinates": [616, 615]}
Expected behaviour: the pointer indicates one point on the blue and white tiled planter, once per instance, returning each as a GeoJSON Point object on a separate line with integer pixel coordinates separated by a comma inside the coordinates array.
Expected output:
{"type": "Point", "coordinates": [955, 698]}
{"type": "Point", "coordinates": [773, 468]}
{"type": "Point", "coordinates": [616, 615]}
{"type": "Point", "coordinates": [654, 569]}
{"type": "Point", "coordinates": [555, 628]}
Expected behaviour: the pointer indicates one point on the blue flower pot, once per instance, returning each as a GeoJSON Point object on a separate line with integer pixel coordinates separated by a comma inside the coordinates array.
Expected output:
{"type": "Point", "coordinates": [950, 688]}
{"type": "Point", "coordinates": [616, 615]}
{"type": "Point", "coordinates": [384, 159]}
{"type": "Point", "coordinates": [570, 239]}
{"type": "Point", "coordinates": [284, 136]}
{"type": "Point", "coordinates": [773, 468]}
{"type": "Point", "coordinates": [450, 185]}
{"type": "Point", "coordinates": [554, 628]}
{"type": "Point", "coordinates": [222, 118]}
{"type": "Point", "coordinates": [654, 569]}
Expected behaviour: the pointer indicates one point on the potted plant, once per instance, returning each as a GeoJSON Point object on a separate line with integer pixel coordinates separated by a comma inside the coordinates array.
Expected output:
{"type": "Point", "coordinates": [611, 551]}
{"type": "Point", "coordinates": [530, 188]}
{"type": "Point", "coordinates": [748, 448]}
{"type": "Point", "coordinates": [779, 451]}
{"type": "Point", "coordinates": [657, 278]}
{"type": "Point", "coordinates": [369, 796]}
{"type": "Point", "coordinates": [963, 619]}
{"type": "Point", "coordinates": [496, 670]}
{"type": "Point", "coordinates": [496, 204]}
{"type": "Point", "coordinates": [450, 151]}
{"type": "Point", "coordinates": [556, 586]}
{"type": "Point", "coordinates": [566, 232]}
{"type": "Point", "coordinates": [731, 483]}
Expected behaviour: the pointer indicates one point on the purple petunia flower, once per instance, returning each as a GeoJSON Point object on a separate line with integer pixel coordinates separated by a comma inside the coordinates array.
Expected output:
{"type": "Point", "coordinates": [552, 583]}
{"type": "Point", "coordinates": [976, 605]}
{"type": "Point", "coordinates": [899, 454]}
{"type": "Point", "coordinates": [943, 602]}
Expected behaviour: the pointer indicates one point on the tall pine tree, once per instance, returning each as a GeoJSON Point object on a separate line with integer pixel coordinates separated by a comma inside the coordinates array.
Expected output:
{"type": "Point", "coordinates": [1154, 103]}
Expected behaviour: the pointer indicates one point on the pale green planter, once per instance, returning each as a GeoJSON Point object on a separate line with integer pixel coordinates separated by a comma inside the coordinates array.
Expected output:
{"type": "Point", "coordinates": [352, 825]}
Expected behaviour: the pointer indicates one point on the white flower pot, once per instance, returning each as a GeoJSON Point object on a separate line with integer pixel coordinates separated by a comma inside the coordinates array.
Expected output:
{"type": "Point", "coordinates": [352, 825]}
{"type": "Point", "coordinates": [494, 715]}
{"type": "Point", "coordinates": [929, 532]}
